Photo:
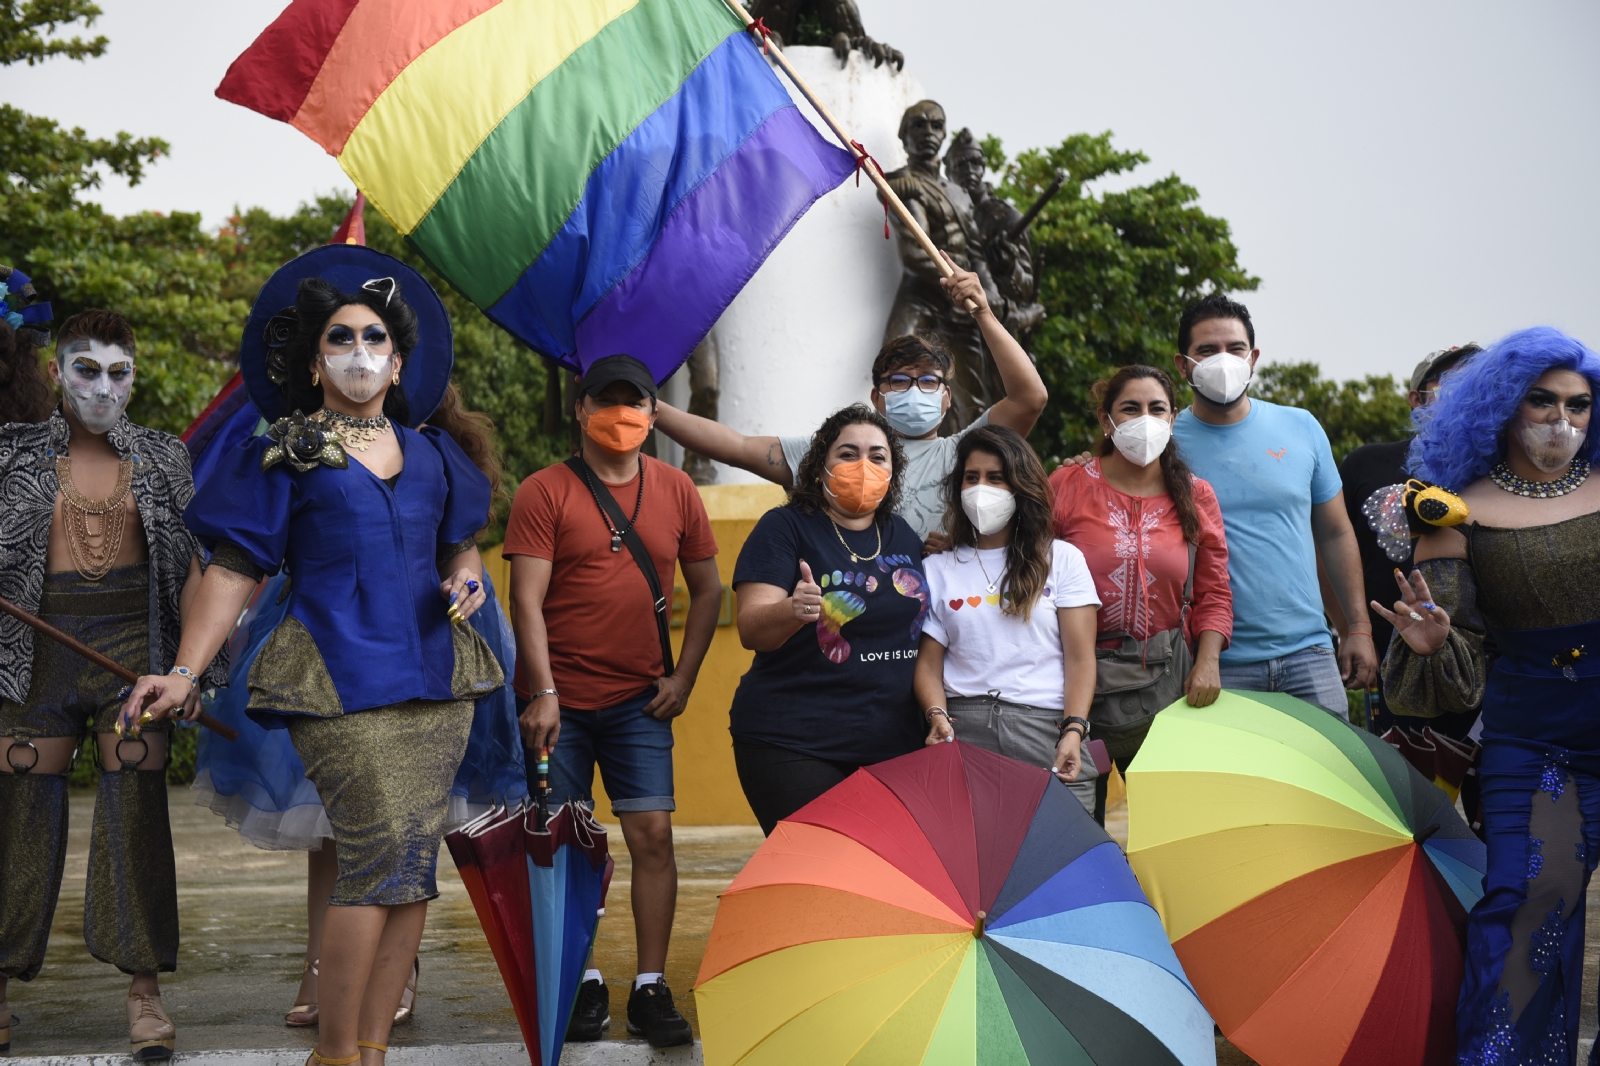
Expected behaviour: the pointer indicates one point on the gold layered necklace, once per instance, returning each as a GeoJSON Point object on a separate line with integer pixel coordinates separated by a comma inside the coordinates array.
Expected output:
{"type": "Point", "coordinates": [93, 560]}
{"type": "Point", "coordinates": [356, 434]}
{"type": "Point", "coordinates": [854, 558]}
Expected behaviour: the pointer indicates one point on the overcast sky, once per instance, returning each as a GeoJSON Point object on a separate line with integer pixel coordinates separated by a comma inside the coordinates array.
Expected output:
{"type": "Point", "coordinates": [1401, 176]}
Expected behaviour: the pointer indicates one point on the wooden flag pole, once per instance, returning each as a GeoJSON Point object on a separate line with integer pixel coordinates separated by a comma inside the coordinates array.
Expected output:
{"type": "Point", "coordinates": [864, 162]}
{"type": "Point", "coordinates": [104, 662]}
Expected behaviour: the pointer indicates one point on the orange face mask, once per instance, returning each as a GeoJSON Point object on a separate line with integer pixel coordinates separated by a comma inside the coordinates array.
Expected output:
{"type": "Point", "coordinates": [857, 486]}
{"type": "Point", "coordinates": [619, 429]}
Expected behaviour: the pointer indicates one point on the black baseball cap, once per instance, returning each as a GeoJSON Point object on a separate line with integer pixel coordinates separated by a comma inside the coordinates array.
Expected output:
{"type": "Point", "coordinates": [614, 368]}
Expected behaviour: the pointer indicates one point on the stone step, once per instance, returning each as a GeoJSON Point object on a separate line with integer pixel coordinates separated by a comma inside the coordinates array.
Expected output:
{"type": "Point", "coordinates": [599, 1053]}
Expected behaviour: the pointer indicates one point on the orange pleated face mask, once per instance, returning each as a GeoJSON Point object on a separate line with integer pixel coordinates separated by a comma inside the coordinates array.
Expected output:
{"type": "Point", "coordinates": [619, 429]}
{"type": "Point", "coordinates": [857, 486]}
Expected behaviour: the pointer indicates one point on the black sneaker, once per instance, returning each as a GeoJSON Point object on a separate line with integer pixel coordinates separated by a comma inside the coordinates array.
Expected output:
{"type": "Point", "coordinates": [591, 1013]}
{"type": "Point", "coordinates": [652, 1016]}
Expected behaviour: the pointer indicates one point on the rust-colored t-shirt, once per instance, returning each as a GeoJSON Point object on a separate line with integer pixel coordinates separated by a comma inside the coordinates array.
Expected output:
{"type": "Point", "coordinates": [604, 645]}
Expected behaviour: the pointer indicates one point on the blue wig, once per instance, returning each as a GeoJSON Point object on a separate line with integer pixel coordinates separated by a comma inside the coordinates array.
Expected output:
{"type": "Point", "coordinates": [1461, 435]}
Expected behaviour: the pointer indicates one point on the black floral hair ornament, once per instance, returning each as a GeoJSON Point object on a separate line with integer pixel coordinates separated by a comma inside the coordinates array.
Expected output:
{"type": "Point", "coordinates": [278, 331]}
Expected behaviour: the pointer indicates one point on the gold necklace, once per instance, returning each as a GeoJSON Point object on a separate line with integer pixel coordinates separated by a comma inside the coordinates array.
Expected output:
{"type": "Point", "coordinates": [92, 562]}
{"type": "Point", "coordinates": [854, 558]}
{"type": "Point", "coordinates": [356, 434]}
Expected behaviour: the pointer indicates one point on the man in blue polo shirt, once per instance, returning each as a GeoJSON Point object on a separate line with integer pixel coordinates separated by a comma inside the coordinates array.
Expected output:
{"type": "Point", "coordinates": [1282, 506]}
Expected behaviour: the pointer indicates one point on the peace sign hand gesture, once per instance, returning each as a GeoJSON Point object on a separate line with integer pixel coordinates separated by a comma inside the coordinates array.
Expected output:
{"type": "Point", "coordinates": [1421, 623]}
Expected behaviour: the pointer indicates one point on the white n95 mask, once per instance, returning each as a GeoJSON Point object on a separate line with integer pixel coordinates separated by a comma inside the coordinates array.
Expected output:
{"type": "Point", "coordinates": [988, 507]}
{"type": "Point", "coordinates": [1221, 378]}
{"type": "Point", "coordinates": [1142, 440]}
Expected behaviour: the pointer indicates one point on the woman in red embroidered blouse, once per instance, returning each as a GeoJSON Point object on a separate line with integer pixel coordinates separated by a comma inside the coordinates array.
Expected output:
{"type": "Point", "coordinates": [1132, 511]}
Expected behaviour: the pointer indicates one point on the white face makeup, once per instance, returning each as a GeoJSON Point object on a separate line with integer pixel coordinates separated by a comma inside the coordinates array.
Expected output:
{"type": "Point", "coordinates": [96, 381]}
{"type": "Point", "coordinates": [357, 359]}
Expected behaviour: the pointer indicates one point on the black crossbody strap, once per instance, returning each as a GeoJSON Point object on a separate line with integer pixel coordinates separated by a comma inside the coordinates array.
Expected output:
{"type": "Point", "coordinates": [636, 548]}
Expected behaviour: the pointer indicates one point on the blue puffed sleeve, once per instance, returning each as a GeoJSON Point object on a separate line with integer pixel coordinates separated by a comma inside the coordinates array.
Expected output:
{"type": "Point", "coordinates": [466, 506]}
{"type": "Point", "coordinates": [238, 503]}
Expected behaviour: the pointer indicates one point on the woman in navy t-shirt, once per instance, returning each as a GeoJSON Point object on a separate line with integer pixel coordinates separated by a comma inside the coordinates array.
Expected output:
{"type": "Point", "coordinates": [832, 600]}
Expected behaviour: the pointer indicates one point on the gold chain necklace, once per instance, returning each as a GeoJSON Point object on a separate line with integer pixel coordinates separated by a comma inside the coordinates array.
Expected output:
{"type": "Point", "coordinates": [992, 582]}
{"type": "Point", "coordinates": [854, 558]}
{"type": "Point", "coordinates": [92, 562]}
{"type": "Point", "coordinates": [357, 434]}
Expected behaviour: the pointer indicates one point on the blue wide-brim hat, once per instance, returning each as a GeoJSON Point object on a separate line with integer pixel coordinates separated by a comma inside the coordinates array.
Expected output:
{"type": "Point", "coordinates": [347, 267]}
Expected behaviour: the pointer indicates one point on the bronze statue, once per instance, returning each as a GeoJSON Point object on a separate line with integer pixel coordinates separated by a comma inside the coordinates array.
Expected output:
{"type": "Point", "coordinates": [1002, 238]}
{"type": "Point", "coordinates": [841, 18]}
{"type": "Point", "coordinates": [944, 211]}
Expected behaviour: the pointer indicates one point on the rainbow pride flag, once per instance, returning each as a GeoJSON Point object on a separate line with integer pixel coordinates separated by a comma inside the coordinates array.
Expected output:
{"type": "Point", "coordinates": [599, 176]}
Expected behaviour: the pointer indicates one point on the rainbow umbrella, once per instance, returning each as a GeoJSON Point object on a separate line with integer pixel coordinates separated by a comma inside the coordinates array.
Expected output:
{"type": "Point", "coordinates": [949, 906]}
{"type": "Point", "coordinates": [538, 894]}
{"type": "Point", "coordinates": [1314, 884]}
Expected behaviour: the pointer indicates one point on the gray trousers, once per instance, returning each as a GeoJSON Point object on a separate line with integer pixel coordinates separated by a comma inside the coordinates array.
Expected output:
{"type": "Point", "coordinates": [1018, 731]}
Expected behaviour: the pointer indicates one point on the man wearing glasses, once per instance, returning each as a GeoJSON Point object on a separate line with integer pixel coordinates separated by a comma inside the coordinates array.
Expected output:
{"type": "Point", "coordinates": [911, 387]}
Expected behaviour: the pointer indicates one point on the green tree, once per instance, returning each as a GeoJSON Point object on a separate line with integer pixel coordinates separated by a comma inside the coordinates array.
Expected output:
{"type": "Point", "coordinates": [1114, 271]}
{"type": "Point", "coordinates": [1353, 413]}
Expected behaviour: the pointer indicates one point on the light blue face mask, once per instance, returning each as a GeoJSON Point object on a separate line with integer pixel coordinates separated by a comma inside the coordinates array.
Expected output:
{"type": "Point", "coordinates": [914, 412]}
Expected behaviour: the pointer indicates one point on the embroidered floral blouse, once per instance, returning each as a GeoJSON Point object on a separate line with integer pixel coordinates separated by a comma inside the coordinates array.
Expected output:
{"type": "Point", "coordinates": [1139, 558]}
{"type": "Point", "coordinates": [161, 489]}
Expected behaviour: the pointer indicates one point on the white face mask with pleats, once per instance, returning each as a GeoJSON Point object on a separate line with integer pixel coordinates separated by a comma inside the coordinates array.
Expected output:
{"type": "Point", "coordinates": [1142, 440]}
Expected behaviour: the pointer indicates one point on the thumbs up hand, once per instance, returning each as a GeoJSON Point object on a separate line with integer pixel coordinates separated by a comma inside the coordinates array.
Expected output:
{"type": "Point", "coordinates": [807, 599]}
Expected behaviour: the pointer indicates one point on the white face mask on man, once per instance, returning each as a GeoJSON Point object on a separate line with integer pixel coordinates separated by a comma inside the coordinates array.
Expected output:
{"type": "Point", "coordinates": [1142, 440]}
{"type": "Point", "coordinates": [1550, 445]}
{"type": "Point", "coordinates": [96, 382]}
{"type": "Point", "coordinates": [988, 507]}
{"type": "Point", "coordinates": [1221, 378]}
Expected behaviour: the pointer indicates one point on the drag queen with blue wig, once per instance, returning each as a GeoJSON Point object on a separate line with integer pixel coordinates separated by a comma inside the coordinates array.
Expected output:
{"type": "Point", "coordinates": [372, 670]}
{"type": "Point", "coordinates": [1502, 615]}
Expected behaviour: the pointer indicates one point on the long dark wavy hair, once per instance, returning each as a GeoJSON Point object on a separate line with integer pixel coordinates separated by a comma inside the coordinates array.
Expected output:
{"type": "Point", "coordinates": [473, 431]}
{"type": "Point", "coordinates": [25, 393]}
{"type": "Point", "coordinates": [314, 304]}
{"type": "Point", "coordinates": [1175, 472]}
{"type": "Point", "coordinates": [807, 494]}
{"type": "Point", "coordinates": [1029, 555]}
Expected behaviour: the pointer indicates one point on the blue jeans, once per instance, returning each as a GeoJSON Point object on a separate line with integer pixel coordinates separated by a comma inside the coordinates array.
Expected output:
{"type": "Point", "coordinates": [634, 751]}
{"type": "Point", "coordinates": [1311, 674]}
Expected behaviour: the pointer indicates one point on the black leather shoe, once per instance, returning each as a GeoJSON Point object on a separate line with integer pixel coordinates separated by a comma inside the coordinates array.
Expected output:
{"type": "Point", "coordinates": [652, 1015]}
{"type": "Point", "coordinates": [591, 1013]}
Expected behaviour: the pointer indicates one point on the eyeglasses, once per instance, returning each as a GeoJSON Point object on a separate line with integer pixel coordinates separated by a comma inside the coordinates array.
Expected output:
{"type": "Point", "coordinates": [902, 382]}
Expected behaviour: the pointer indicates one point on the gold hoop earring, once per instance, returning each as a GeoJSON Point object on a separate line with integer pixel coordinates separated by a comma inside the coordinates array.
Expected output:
{"type": "Point", "coordinates": [396, 379]}
{"type": "Point", "coordinates": [316, 379]}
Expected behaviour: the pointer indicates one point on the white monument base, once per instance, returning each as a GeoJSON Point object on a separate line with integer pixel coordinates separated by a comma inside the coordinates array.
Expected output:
{"type": "Point", "coordinates": [798, 342]}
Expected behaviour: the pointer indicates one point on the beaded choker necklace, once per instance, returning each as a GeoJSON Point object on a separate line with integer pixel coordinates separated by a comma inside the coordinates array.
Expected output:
{"type": "Point", "coordinates": [1576, 475]}
{"type": "Point", "coordinates": [357, 434]}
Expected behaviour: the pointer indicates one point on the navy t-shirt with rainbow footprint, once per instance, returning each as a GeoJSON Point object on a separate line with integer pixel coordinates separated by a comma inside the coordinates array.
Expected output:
{"type": "Point", "coordinates": [840, 688]}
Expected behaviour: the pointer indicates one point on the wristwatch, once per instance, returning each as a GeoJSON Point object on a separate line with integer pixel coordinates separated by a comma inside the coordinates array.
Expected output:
{"type": "Point", "coordinates": [1073, 720]}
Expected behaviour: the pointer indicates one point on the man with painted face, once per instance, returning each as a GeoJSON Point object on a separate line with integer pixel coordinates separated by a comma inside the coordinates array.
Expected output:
{"type": "Point", "coordinates": [1282, 508]}
{"type": "Point", "coordinates": [93, 541]}
{"type": "Point", "coordinates": [594, 668]}
{"type": "Point", "coordinates": [911, 387]}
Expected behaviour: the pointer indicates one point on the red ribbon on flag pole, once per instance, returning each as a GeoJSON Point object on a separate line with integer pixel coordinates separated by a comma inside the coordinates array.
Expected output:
{"type": "Point", "coordinates": [759, 28]}
{"type": "Point", "coordinates": [863, 157]}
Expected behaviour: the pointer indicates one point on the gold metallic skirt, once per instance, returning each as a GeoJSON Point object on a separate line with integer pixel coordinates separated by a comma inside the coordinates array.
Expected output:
{"type": "Point", "coordinates": [384, 776]}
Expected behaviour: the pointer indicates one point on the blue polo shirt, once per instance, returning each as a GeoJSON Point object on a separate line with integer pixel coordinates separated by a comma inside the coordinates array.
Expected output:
{"type": "Point", "coordinates": [1268, 470]}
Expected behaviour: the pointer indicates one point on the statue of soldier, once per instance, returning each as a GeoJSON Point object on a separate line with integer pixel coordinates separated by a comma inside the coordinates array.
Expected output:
{"type": "Point", "coordinates": [1009, 254]}
{"type": "Point", "coordinates": [944, 211]}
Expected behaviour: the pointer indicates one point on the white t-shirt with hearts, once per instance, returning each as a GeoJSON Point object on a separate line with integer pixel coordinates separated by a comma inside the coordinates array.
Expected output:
{"type": "Point", "coordinates": [987, 650]}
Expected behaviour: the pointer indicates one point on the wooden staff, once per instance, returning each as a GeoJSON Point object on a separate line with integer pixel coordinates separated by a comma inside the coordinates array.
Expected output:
{"type": "Point", "coordinates": [104, 662]}
{"type": "Point", "coordinates": [864, 162]}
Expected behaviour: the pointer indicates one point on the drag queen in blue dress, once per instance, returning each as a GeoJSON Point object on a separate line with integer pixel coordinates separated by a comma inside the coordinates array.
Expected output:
{"type": "Point", "coordinates": [258, 784]}
{"type": "Point", "coordinates": [1502, 614]}
{"type": "Point", "coordinates": [373, 670]}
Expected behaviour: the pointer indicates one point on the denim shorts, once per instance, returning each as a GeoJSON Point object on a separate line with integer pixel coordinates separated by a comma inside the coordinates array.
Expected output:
{"type": "Point", "coordinates": [633, 750]}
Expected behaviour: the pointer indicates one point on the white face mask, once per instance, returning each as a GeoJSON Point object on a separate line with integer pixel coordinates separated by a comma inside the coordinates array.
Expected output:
{"type": "Point", "coordinates": [1142, 440]}
{"type": "Point", "coordinates": [358, 375]}
{"type": "Point", "coordinates": [1221, 378]}
{"type": "Point", "coordinates": [96, 381]}
{"type": "Point", "coordinates": [988, 507]}
{"type": "Point", "coordinates": [1550, 445]}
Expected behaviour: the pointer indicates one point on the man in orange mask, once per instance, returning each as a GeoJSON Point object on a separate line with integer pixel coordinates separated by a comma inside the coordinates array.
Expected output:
{"type": "Point", "coordinates": [596, 680]}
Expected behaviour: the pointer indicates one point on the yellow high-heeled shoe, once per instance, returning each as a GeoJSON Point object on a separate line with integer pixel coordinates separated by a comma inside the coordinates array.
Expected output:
{"type": "Point", "coordinates": [307, 1011]}
{"type": "Point", "coordinates": [317, 1060]}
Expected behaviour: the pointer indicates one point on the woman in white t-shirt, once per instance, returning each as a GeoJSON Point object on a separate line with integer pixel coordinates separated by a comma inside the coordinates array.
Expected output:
{"type": "Point", "coordinates": [1006, 660]}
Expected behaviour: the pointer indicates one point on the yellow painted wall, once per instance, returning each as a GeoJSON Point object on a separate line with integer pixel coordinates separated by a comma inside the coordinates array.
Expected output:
{"type": "Point", "coordinates": [707, 786]}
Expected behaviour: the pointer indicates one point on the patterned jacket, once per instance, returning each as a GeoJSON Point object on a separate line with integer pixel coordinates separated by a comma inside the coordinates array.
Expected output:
{"type": "Point", "coordinates": [162, 487]}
